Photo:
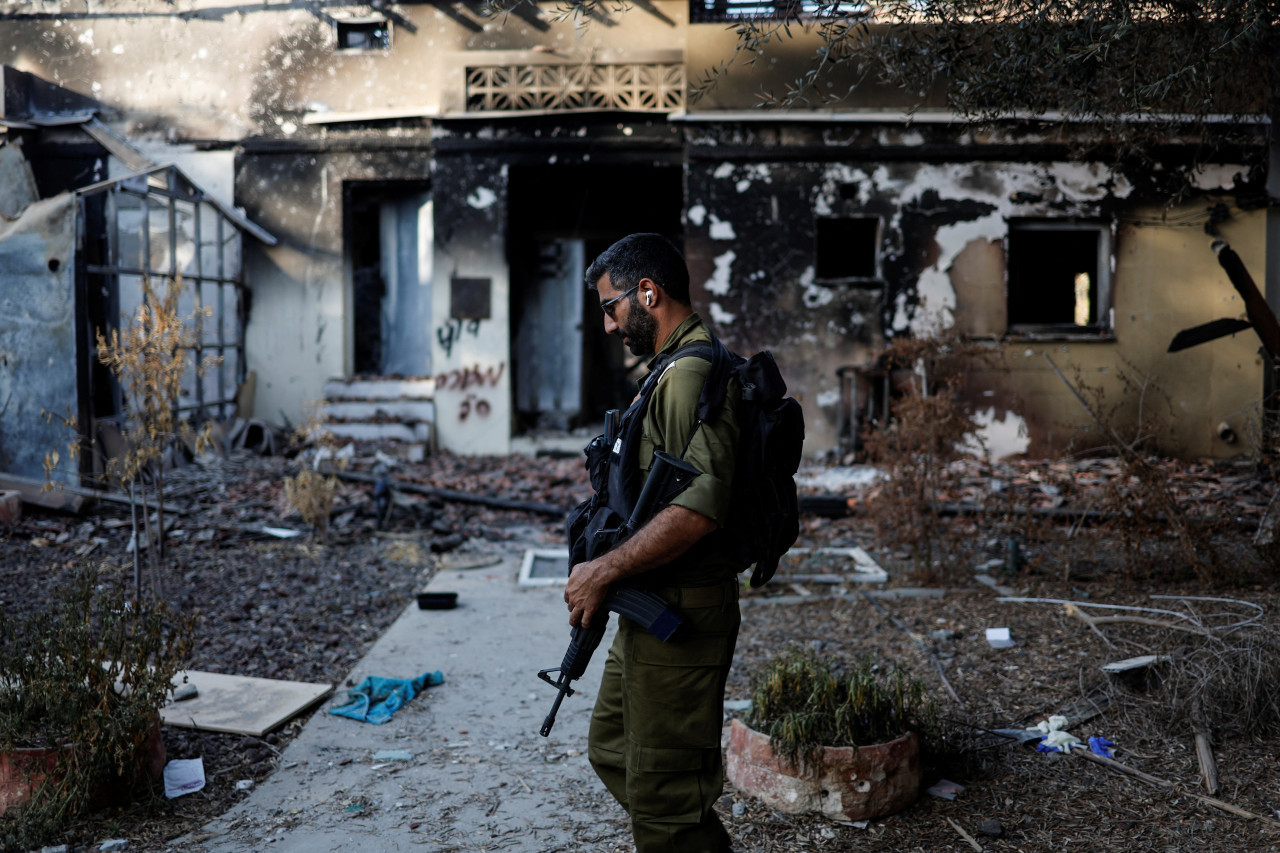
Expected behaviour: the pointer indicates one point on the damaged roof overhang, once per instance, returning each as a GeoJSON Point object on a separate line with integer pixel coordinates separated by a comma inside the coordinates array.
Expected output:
{"type": "Point", "coordinates": [134, 160]}
{"type": "Point", "coordinates": [235, 217]}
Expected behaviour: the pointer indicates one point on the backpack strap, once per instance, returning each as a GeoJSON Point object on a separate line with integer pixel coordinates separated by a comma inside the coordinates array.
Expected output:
{"type": "Point", "coordinates": [714, 389]}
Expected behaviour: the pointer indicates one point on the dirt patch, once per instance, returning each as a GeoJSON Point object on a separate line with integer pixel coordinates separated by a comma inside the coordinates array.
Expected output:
{"type": "Point", "coordinates": [290, 609]}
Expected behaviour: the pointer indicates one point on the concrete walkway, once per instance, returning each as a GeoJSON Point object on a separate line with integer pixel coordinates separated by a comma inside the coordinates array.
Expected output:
{"type": "Point", "coordinates": [478, 776]}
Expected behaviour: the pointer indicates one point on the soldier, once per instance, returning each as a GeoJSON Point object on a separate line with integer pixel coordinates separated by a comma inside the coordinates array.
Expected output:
{"type": "Point", "coordinates": [655, 731]}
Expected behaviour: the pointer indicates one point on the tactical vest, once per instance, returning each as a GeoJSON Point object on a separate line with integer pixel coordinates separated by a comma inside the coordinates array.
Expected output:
{"type": "Point", "coordinates": [615, 473]}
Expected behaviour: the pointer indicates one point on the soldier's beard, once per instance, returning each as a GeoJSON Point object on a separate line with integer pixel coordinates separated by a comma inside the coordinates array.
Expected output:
{"type": "Point", "coordinates": [640, 331]}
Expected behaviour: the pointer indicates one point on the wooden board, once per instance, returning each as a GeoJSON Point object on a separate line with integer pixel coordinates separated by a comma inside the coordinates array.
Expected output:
{"type": "Point", "coordinates": [240, 704]}
{"type": "Point", "coordinates": [61, 497]}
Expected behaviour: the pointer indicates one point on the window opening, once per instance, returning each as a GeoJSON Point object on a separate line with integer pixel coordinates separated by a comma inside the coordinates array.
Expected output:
{"type": "Point", "coordinates": [716, 11]}
{"type": "Point", "coordinates": [1059, 276]}
{"type": "Point", "coordinates": [364, 34]}
{"type": "Point", "coordinates": [847, 248]}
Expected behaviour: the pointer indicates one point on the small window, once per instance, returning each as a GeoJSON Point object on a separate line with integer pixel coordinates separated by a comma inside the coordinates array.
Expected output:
{"type": "Point", "coordinates": [716, 11]}
{"type": "Point", "coordinates": [1059, 276]}
{"type": "Point", "coordinates": [364, 34]}
{"type": "Point", "coordinates": [847, 249]}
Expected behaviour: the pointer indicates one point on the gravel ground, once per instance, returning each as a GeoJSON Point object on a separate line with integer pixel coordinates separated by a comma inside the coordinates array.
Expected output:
{"type": "Point", "coordinates": [292, 609]}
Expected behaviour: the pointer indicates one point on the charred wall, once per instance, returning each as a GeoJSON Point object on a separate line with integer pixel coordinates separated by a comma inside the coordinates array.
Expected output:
{"type": "Point", "coordinates": [937, 207]}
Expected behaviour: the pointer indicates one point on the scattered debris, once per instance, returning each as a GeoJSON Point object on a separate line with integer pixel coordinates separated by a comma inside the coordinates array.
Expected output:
{"type": "Point", "coordinates": [1171, 788]}
{"type": "Point", "coordinates": [456, 496]}
{"type": "Point", "coordinates": [10, 508]}
{"type": "Point", "coordinates": [1000, 638]}
{"type": "Point", "coordinates": [990, 828]}
{"type": "Point", "coordinates": [183, 776]}
{"type": "Point", "coordinates": [185, 692]}
{"type": "Point", "coordinates": [920, 643]}
{"type": "Point", "coordinates": [945, 789]}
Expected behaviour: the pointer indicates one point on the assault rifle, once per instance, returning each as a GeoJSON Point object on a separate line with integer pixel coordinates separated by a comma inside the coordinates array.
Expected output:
{"type": "Point", "coordinates": [668, 477]}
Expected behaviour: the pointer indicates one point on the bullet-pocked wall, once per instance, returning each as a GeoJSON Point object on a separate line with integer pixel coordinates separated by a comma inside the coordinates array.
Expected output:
{"type": "Point", "coordinates": [471, 347]}
{"type": "Point", "coordinates": [823, 241]}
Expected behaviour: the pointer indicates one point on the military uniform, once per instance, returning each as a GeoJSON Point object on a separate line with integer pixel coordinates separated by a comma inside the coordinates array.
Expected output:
{"type": "Point", "coordinates": [655, 731]}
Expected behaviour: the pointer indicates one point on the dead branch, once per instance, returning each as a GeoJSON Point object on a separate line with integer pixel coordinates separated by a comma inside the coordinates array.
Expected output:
{"type": "Point", "coordinates": [1154, 623]}
{"type": "Point", "coordinates": [1172, 788]}
{"type": "Point", "coordinates": [1072, 610]}
{"type": "Point", "coordinates": [966, 836]}
{"type": "Point", "coordinates": [1065, 601]}
{"type": "Point", "coordinates": [1258, 607]}
{"type": "Point", "coordinates": [1208, 767]}
{"type": "Point", "coordinates": [455, 496]}
{"type": "Point", "coordinates": [1107, 428]}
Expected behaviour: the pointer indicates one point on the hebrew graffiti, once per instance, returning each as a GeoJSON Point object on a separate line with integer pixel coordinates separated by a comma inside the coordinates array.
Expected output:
{"type": "Point", "coordinates": [451, 332]}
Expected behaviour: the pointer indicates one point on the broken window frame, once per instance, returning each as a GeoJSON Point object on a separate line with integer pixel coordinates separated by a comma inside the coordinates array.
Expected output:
{"type": "Point", "coordinates": [730, 11]}
{"type": "Point", "coordinates": [165, 190]}
{"type": "Point", "coordinates": [375, 22]}
{"type": "Point", "coordinates": [1102, 324]}
{"type": "Point", "coordinates": [875, 279]}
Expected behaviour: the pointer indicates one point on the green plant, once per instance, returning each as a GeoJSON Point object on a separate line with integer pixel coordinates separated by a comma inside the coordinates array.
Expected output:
{"type": "Point", "coordinates": [804, 703]}
{"type": "Point", "coordinates": [85, 678]}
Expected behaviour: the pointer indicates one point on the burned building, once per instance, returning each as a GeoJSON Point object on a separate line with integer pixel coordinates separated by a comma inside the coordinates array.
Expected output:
{"type": "Point", "coordinates": [434, 178]}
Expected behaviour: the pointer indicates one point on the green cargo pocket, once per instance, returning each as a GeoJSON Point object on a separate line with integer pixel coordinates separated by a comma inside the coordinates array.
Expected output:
{"type": "Point", "coordinates": [657, 759]}
{"type": "Point", "coordinates": [672, 786]}
{"type": "Point", "coordinates": [701, 649]}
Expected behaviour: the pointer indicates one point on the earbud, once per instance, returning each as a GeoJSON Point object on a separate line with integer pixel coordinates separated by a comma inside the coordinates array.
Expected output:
{"type": "Point", "coordinates": [648, 297]}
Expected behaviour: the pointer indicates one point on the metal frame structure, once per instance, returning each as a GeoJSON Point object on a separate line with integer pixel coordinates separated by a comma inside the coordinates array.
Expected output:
{"type": "Point", "coordinates": [159, 225]}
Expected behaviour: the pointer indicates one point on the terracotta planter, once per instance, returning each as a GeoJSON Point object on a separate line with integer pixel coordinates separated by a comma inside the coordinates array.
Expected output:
{"type": "Point", "coordinates": [23, 770]}
{"type": "Point", "coordinates": [848, 783]}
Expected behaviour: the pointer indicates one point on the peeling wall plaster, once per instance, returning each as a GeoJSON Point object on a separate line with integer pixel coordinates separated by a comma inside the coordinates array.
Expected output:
{"type": "Point", "coordinates": [1002, 434]}
{"type": "Point", "coordinates": [969, 201]}
{"type": "Point", "coordinates": [944, 226]}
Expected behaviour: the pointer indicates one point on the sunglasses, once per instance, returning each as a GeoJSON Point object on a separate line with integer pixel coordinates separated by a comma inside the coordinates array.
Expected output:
{"type": "Point", "coordinates": [611, 305]}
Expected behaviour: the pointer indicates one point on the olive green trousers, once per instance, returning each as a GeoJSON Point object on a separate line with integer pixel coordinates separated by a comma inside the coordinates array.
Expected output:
{"type": "Point", "coordinates": [655, 731]}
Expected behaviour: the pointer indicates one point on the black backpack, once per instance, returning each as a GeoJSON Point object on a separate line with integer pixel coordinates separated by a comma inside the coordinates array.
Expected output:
{"type": "Point", "coordinates": [764, 513]}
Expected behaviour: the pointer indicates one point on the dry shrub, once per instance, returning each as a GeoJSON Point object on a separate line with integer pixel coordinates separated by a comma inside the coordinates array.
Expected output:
{"type": "Point", "coordinates": [310, 492]}
{"type": "Point", "coordinates": [148, 357]}
{"type": "Point", "coordinates": [1225, 682]}
{"type": "Point", "coordinates": [1156, 535]}
{"type": "Point", "coordinates": [84, 676]}
{"type": "Point", "coordinates": [928, 428]}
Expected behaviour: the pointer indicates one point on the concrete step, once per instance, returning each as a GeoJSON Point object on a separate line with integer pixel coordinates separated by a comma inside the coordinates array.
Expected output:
{"type": "Point", "coordinates": [379, 389]}
{"type": "Point", "coordinates": [420, 431]}
{"type": "Point", "coordinates": [403, 410]}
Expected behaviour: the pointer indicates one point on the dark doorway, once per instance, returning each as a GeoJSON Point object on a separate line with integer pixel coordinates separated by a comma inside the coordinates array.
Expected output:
{"type": "Point", "coordinates": [388, 235]}
{"type": "Point", "coordinates": [568, 372]}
